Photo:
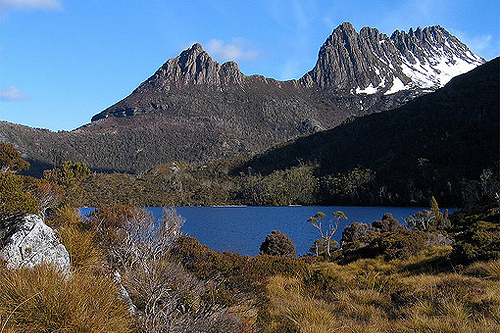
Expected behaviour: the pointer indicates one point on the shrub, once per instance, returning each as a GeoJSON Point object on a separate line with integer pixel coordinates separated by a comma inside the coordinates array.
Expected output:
{"type": "Point", "coordinates": [354, 232]}
{"type": "Point", "coordinates": [388, 224]}
{"type": "Point", "coordinates": [169, 299]}
{"type": "Point", "coordinates": [69, 177]}
{"type": "Point", "coordinates": [10, 159]}
{"type": "Point", "coordinates": [323, 284]}
{"type": "Point", "coordinates": [284, 266]}
{"type": "Point", "coordinates": [48, 195]}
{"type": "Point", "coordinates": [481, 241]}
{"type": "Point", "coordinates": [398, 244]}
{"type": "Point", "coordinates": [128, 234]}
{"type": "Point", "coordinates": [278, 244]}
{"type": "Point", "coordinates": [13, 196]}
{"type": "Point", "coordinates": [429, 220]}
{"type": "Point", "coordinates": [477, 231]}
{"type": "Point", "coordinates": [243, 276]}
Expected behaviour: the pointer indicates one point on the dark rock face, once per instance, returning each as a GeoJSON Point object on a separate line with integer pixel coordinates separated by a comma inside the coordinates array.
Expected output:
{"type": "Point", "coordinates": [195, 109]}
{"type": "Point", "coordinates": [278, 244]}
{"type": "Point", "coordinates": [372, 62]}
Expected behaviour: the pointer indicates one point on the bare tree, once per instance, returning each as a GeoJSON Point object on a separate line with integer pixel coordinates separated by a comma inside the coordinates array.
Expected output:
{"type": "Point", "coordinates": [48, 195]}
{"type": "Point", "coordinates": [146, 238]}
{"type": "Point", "coordinates": [326, 236]}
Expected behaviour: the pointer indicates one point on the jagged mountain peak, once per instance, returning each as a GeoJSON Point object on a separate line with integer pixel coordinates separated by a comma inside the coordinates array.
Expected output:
{"type": "Point", "coordinates": [196, 47]}
{"type": "Point", "coordinates": [193, 67]}
{"type": "Point", "coordinates": [371, 62]}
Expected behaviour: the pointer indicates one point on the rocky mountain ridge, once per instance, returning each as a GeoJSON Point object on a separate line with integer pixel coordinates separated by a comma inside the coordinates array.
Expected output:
{"type": "Point", "coordinates": [349, 63]}
{"type": "Point", "coordinates": [371, 62]}
{"type": "Point", "coordinates": [195, 109]}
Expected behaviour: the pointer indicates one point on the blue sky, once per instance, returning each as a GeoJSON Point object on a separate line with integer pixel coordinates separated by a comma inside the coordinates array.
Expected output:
{"type": "Point", "coordinates": [62, 61]}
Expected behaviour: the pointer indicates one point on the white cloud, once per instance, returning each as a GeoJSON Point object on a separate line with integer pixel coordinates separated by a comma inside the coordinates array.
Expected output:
{"type": "Point", "coordinates": [13, 94]}
{"type": "Point", "coordinates": [31, 5]}
{"type": "Point", "coordinates": [237, 49]}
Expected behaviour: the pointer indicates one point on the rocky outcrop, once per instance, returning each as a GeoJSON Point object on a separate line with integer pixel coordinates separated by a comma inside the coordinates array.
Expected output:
{"type": "Point", "coordinates": [192, 68]}
{"type": "Point", "coordinates": [26, 241]}
{"type": "Point", "coordinates": [371, 62]}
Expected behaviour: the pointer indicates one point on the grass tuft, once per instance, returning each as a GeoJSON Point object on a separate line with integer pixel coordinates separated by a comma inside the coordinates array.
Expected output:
{"type": "Point", "coordinates": [44, 300]}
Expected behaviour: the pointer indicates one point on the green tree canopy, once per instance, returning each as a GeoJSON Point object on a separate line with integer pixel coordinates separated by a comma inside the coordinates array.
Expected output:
{"type": "Point", "coordinates": [10, 159]}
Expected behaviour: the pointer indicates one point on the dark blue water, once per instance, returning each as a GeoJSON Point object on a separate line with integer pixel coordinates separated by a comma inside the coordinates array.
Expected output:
{"type": "Point", "coordinates": [243, 229]}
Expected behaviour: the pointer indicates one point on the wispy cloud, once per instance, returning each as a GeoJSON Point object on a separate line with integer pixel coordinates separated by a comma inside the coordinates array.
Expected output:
{"type": "Point", "coordinates": [30, 5]}
{"type": "Point", "coordinates": [290, 70]}
{"type": "Point", "coordinates": [237, 49]}
{"type": "Point", "coordinates": [300, 15]}
{"type": "Point", "coordinates": [485, 46]}
{"type": "Point", "coordinates": [13, 94]}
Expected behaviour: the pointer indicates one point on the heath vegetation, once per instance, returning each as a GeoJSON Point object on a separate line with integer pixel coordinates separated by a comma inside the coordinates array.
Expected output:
{"type": "Point", "coordinates": [131, 273]}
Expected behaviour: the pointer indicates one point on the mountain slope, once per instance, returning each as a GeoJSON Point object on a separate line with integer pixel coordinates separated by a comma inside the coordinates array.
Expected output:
{"type": "Point", "coordinates": [434, 142]}
{"type": "Point", "coordinates": [195, 109]}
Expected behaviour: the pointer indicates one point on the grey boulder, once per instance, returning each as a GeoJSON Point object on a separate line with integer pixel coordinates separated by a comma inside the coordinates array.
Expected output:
{"type": "Point", "coordinates": [26, 241]}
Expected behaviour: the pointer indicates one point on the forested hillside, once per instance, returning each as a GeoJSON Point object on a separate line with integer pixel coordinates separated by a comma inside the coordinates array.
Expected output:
{"type": "Point", "coordinates": [431, 146]}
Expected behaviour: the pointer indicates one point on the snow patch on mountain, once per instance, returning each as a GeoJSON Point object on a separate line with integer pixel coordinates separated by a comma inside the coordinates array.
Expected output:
{"type": "Point", "coordinates": [397, 85]}
{"type": "Point", "coordinates": [368, 90]}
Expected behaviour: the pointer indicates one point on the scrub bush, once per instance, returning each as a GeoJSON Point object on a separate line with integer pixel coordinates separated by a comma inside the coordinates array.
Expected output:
{"type": "Point", "coordinates": [398, 244]}
{"type": "Point", "coordinates": [278, 244]}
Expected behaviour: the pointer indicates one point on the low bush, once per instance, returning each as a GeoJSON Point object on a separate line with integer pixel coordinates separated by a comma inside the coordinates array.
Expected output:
{"type": "Point", "coordinates": [278, 244]}
{"type": "Point", "coordinates": [13, 196]}
{"type": "Point", "coordinates": [477, 231]}
{"type": "Point", "coordinates": [398, 244]}
{"type": "Point", "coordinates": [169, 299]}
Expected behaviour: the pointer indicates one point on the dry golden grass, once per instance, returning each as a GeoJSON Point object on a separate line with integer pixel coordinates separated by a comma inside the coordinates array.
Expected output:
{"type": "Point", "coordinates": [289, 306]}
{"type": "Point", "coordinates": [385, 296]}
{"type": "Point", "coordinates": [44, 300]}
{"type": "Point", "coordinates": [488, 269]}
{"type": "Point", "coordinates": [81, 247]}
{"type": "Point", "coordinates": [78, 238]}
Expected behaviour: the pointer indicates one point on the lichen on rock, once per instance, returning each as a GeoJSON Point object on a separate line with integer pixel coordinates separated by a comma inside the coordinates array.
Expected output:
{"type": "Point", "coordinates": [26, 241]}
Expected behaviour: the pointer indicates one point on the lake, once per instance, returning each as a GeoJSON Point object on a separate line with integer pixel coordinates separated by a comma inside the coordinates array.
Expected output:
{"type": "Point", "coordinates": [243, 229]}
